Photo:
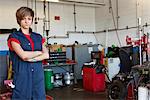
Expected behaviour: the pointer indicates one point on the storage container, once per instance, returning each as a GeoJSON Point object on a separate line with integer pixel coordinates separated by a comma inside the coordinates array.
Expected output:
{"type": "Point", "coordinates": [93, 81]}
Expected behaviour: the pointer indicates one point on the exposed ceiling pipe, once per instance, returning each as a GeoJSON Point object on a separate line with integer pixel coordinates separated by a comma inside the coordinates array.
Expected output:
{"type": "Point", "coordinates": [97, 32]}
{"type": "Point", "coordinates": [136, 17]}
{"type": "Point", "coordinates": [66, 36]}
{"type": "Point", "coordinates": [80, 32]}
{"type": "Point", "coordinates": [117, 14]}
{"type": "Point", "coordinates": [72, 32]}
{"type": "Point", "coordinates": [51, 0]}
{"type": "Point", "coordinates": [113, 18]}
{"type": "Point", "coordinates": [81, 2]}
{"type": "Point", "coordinates": [27, 3]}
{"type": "Point", "coordinates": [126, 28]}
{"type": "Point", "coordinates": [109, 30]}
{"type": "Point", "coordinates": [48, 11]}
{"type": "Point", "coordinates": [36, 20]}
{"type": "Point", "coordinates": [74, 13]}
{"type": "Point", "coordinates": [46, 19]}
{"type": "Point", "coordinates": [32, 3]}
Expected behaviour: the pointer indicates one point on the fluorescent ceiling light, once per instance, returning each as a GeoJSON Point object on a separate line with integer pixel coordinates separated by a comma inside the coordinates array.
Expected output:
{"type": "Point", "coordinates": [51, 0]}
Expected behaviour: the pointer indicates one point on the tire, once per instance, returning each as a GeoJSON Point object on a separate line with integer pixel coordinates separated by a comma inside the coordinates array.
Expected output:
{"type": "Point", "coordinates": [117, 90]}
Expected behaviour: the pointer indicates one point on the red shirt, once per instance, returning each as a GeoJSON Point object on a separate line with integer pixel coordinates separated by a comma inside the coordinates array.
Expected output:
{"type": "Point", "coordinates": [17, 41]}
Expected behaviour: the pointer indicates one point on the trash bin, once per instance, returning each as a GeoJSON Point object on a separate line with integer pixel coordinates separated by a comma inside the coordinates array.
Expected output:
{"type": "Point", "coordinates": [49, 79]}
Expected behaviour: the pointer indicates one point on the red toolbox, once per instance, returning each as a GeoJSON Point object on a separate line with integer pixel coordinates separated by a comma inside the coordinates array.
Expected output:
{"type": "Point", "coordinates": [93, 81]}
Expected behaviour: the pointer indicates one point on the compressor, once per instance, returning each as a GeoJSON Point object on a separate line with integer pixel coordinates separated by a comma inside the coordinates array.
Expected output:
{"type": "Point", "coordinates": [68, 78]}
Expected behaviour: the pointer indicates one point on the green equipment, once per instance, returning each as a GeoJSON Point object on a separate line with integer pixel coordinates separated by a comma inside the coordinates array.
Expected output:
{"type": "Point", "coordinates": [49, 79]}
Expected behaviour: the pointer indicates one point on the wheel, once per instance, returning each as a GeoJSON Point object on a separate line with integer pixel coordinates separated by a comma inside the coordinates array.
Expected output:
{"type": "Point", "coordinates": [117, 90]}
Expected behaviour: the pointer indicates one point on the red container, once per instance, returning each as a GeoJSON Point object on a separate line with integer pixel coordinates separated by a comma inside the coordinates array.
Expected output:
{"type": "Point", "coordinates": [48, 97]}
{"type": "Point", "coordinates": [92, 81]}
{"type": "Point", "coordinates": [130, 94]}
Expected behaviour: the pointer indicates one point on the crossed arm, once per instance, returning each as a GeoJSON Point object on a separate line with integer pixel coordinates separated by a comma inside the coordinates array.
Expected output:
{"type": "Point", "coordinates": [31, 56]}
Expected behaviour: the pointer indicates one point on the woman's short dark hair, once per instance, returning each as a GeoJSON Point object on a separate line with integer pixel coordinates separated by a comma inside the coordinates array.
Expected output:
{"type": "Point", "coordinates": [23, 12]}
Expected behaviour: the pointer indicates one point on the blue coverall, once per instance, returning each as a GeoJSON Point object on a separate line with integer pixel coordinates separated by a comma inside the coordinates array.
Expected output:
{"type": "Point", "coordinates": [28, 77]}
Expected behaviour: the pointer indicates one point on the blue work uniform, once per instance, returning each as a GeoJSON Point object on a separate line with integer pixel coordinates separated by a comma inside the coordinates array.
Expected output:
{"type": "Point", "coordinates": [28, 77]}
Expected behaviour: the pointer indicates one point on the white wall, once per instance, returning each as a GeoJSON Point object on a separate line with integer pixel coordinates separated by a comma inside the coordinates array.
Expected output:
{"type": "Point", "coordinates": [8, 19]}
{"type": "Point", "coordinates": [85, 20]}
{"type": "Point", "coordinates": [128, 12]}
{"type": "Point", "coordinates": [7, 13]}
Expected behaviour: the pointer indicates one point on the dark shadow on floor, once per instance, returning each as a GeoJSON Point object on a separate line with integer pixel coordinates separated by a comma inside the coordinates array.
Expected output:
{"type": "Point", "coordinates": [76, 92]}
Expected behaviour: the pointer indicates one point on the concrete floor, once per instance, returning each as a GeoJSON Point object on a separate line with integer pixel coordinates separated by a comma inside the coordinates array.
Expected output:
{"type": "Point", "coordinates": [76, 92]}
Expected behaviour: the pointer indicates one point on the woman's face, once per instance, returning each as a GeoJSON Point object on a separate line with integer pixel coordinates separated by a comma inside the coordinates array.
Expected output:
{"type": "Point", "coordinates": [26, 22]}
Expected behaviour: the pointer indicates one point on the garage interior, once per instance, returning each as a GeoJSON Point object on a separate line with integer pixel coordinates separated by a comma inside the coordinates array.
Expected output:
{"type": "Point", "coordinates": [98, 49]}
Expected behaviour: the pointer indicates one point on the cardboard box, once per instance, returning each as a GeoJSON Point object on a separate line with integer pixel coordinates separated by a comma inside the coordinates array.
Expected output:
{"type": "Point", "coordinates": [57, 47]}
